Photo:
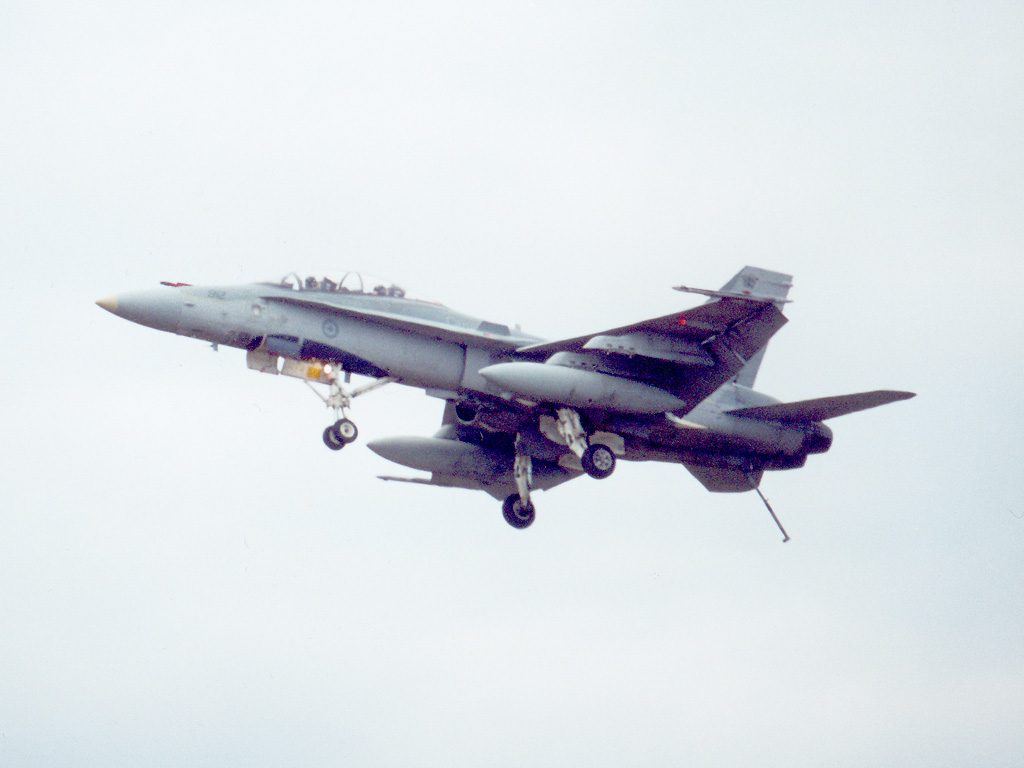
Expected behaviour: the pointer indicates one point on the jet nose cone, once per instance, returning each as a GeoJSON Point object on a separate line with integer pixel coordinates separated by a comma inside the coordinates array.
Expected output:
{"type": "Point", "coordinates": [156, 309]}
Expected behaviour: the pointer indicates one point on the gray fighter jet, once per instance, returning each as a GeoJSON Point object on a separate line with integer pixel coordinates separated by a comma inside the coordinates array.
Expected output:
{"type": "Point", "coordinates": [524, 414]}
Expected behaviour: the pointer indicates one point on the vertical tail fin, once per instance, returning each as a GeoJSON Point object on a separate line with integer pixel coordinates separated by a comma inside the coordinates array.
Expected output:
{"type": "Point", "coordinates": [758, 283]}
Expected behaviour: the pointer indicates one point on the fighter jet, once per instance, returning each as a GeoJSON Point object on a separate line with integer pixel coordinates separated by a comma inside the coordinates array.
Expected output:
{"type": "Point", "coordinates": [523, 414]}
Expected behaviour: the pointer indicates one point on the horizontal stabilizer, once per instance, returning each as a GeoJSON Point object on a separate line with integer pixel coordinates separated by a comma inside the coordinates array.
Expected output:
{"type": "Point", "coordinates": [753, 284]}
{"type": "Point", "coordinates": [823, 408]}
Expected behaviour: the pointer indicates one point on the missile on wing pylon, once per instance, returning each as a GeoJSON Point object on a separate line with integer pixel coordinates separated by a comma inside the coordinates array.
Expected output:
{"type": "Point", "coordinates": [577, 388]}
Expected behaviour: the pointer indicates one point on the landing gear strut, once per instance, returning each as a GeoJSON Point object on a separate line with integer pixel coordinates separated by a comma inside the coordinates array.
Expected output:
{"type": "Point", "coordinates": [517, 508]}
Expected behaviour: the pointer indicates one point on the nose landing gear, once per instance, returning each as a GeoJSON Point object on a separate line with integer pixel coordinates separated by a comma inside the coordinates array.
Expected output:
{"type": "Point", "coordinates": [339, 399]}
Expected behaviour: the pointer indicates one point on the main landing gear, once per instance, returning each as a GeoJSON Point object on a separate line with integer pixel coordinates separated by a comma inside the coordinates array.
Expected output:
{"type": "Point", "coordinates": [517, 508]}
{"type": "Point", "coordinates": [597, 459]}
{"type": "Point", "coordinates": [343, 431]}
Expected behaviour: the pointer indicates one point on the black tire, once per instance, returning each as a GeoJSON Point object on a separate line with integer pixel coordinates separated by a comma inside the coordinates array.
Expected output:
{"type": "Point", "coordinates": [517, 515]}
{"type": "Point", "coordinates": [345, 431]}
{"type": "Point", "coordinates": [331, 439]}
{"type": "Point", "coordinates": [598, 461]}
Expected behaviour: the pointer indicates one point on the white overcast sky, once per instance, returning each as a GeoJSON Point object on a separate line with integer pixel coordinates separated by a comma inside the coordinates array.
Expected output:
{"type": "Point", "coordinates": [189, 578]}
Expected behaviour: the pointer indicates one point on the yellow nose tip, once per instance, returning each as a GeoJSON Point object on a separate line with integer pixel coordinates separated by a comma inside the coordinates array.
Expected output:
{"type": "Point", "coordinates": [109, 303]}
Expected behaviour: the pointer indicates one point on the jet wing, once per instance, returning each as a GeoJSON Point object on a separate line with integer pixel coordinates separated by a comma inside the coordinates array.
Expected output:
{"type": "Point", "coordinates": [460, 457]}
{"type": "Point", "coordinates": [486, 335]}
{"type": "Point", "coordinates": [689, 354]}
{"type": "Point", "coordinates": [822, 408]}
{"type": "Point", "coordinates": [689, 327]}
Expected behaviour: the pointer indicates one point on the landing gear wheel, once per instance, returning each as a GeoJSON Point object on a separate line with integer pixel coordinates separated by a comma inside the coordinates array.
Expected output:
{"type": "Point", "coordinates": [598, 461]}
{"type": "Point", "coordinates": [345, 430]}
{"type": "Point", "coordinates": [516, 514]}
{"type": "Point", "coordinates": [332, 440]}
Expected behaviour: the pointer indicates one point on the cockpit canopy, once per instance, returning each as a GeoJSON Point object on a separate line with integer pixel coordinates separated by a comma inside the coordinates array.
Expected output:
{"type": "Point", "coordinates": [350, 282]}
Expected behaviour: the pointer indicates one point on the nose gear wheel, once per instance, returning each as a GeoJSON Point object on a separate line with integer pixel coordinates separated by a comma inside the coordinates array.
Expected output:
{"type": "Point", "coordinates": [332, 440]}
{"type": "Point", "coordinates": [345, 430]}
